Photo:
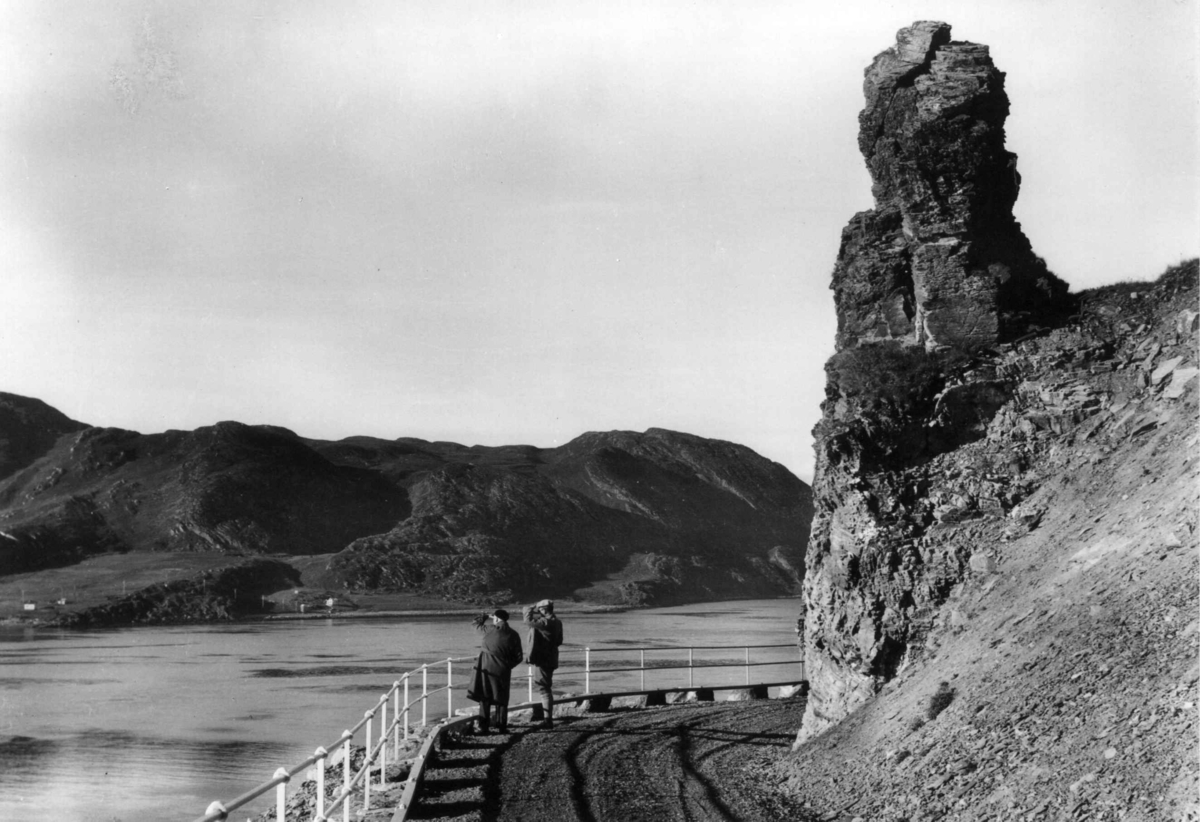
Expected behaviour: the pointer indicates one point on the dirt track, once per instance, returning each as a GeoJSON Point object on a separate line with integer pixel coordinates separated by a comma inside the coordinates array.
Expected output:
{"type": "Point", "coordinates": [683, 762]}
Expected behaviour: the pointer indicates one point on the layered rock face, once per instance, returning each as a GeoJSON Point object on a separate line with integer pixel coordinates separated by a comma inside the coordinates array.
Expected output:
{"type": "Point", "coordinates": [940, 261]}
{"type": "Point", "coordinates": [1045, 598]}
{"type": "Point", "coordinates": [928, 288]}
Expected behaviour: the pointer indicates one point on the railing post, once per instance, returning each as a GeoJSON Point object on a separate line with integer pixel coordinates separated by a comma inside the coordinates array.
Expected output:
{"type": "Point", "coordinates": [346, 776]}
{"type": "Point", "coordinates": [406, 707]}
{"type": "Point", "coordinates": [529, 678]}
{"type": "Point", "coordinates": [747, 665]}
{"type": "Point", "coordinates": [642, 652]}
{"type": "Point", "coordinates": [587, 670]}
{"type": "Point", "coordinates": [281, 795]}
{"type": "Point", "coordinates": [396, 712]}
{"type": "Point", "coordinates": [369, 715]}
{"type": "Point", "coordinates": [449, 687]}
{"type": "Point", "coordinates": [424, 695]}
{"type": "Point", "coordinates": [383, 741]}
{"type": "Point", "coordinates": [690, 681]}
{"type": "Point", "coordinates": [322, 753]}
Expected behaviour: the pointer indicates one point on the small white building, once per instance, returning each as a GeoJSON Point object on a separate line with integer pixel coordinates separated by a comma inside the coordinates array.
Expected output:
{"type": "Point", "coordinates": [30, 606]}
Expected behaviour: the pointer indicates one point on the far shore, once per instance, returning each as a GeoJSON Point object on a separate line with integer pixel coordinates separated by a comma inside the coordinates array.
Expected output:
{"type": "Point", "coordinates": [577, 607]}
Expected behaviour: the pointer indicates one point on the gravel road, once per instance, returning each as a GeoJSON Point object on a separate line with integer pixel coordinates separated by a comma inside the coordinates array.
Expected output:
{"type": "Point", "coordinates": [689, 762]}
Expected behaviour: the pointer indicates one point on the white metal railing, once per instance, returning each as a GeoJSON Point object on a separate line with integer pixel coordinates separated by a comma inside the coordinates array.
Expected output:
{"type": "Point", "coordinates": [589, 669]}
{"type": "Point", "coordinates": [400, 727]}
{"type": "Point", "coordinates": [396, 731]}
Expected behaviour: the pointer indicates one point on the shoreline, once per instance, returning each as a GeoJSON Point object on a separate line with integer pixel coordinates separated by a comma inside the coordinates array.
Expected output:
{"type": "Point", "coordinates": [19, 622]}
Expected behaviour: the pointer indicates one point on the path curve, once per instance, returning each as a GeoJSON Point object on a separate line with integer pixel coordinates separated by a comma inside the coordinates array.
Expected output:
{"type": "Point", "coordinates": [699, 762]}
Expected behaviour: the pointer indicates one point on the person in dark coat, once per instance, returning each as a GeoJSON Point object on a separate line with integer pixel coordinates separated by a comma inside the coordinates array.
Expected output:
{"type": "Point", "coordinates": [500, 653]}
{"type": "Point", "coordinates": [545, 635]}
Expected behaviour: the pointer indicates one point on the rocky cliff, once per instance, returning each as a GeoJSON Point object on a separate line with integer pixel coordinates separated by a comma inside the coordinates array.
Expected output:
{"type": "Point", "coordinates": [963, 375]}
{"type": "Point", "coordinates": [940, 261]}
{"type": "Point", "coordinates": [1009, 629]}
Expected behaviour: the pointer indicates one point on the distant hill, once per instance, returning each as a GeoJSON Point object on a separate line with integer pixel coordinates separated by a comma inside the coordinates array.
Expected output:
{"type": "Point", "coordinates": [615, 517]}
{"type": "Point", "coordinates": [230, 487]}
{"type": "Point", "coordinates": [28, 429]}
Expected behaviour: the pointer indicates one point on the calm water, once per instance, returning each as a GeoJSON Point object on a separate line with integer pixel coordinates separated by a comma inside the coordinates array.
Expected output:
{"type": "Point", "coordinates": [155, 723]}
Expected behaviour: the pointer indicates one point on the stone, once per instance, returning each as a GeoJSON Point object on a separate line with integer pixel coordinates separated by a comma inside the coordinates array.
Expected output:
{"type": "Point", "coordinates": [981, 563]}
{"type": "Point", "coordinates": [747, 694]}
{"type": "Point", "coordinates": [1180, 378]}
{"type": "Point", "coordinates": [597, 704]}
{"type": "Point", "coordinates": [1149, 360]}
{"type": "Point", "coordinates": [653, 699]}
{"type": "Point", "coordinates": [1188, 321]}
{"type": "Point", "coordinates": [1164, 369]}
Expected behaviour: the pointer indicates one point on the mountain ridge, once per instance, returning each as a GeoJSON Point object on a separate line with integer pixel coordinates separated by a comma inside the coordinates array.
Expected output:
{"type": "Point", "coordinates": [623, 517]}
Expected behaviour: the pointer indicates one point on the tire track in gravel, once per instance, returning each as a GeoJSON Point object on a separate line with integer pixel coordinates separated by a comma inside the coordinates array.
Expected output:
{"type": "Point", "coordinates": [684, 763]}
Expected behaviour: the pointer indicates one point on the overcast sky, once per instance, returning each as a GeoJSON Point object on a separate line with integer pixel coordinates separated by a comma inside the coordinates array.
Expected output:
{"type": "Point", "coordinates": [514, 222]}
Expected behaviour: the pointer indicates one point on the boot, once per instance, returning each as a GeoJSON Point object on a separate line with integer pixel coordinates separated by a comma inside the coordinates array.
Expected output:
{"type": "Point", "coordinates": [484, 719]}
{"type": "Point", "coordinates": [548, 710]}
{"type": "Point", "coordinates": [502, 719]}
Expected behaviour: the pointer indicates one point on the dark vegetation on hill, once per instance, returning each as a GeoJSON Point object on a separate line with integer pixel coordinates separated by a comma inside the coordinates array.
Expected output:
{"type": "Point", "coordinates": [615, 518]}
{"type": "Point", "coordinates": [28, 429]}
{"type": "Point", "coordinates": [229, 487]}
{"type": "Point", "coordinates": [670, 517]}
{"type": "Point", "coordinates": [231, 592]}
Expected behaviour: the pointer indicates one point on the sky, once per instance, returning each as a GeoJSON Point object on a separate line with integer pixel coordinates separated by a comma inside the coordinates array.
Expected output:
{"type": "Point", "coordinates": [514, 222]}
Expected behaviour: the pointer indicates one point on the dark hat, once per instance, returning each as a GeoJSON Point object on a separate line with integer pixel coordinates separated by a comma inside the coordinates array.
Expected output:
{"type": "Point", "coordinates": [500, 613]}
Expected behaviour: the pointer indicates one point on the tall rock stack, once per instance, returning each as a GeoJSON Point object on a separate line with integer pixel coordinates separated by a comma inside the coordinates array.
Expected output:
{"type": "Point", "coordinates": [935, 274]}
{"type": "Point", "coordinates": [940, 261]}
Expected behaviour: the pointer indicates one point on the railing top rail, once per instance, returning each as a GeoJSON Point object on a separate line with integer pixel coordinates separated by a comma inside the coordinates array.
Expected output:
{"type": "Point", "coordinates": [246, 798]}
{"type": "Point", "coordinates": [345, 735]}
{"type": "Point", "coordinates": [731, 665]}
{"type": "Point", "coordinates": [627, 648]}
{"type": "Point", "coordinates": [353, 729]}
{"type": "Point", "coordinates": [432, 667]}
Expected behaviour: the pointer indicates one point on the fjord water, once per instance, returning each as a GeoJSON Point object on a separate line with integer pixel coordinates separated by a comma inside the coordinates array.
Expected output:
{"type": "Point", "coordinates": [155, 723]}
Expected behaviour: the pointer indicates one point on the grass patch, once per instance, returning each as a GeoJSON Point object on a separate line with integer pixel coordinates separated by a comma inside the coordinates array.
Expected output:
{"type": "Point", "coordinates": [903, 376]}
{"type": "Point", "coordinates": [940, 701]}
